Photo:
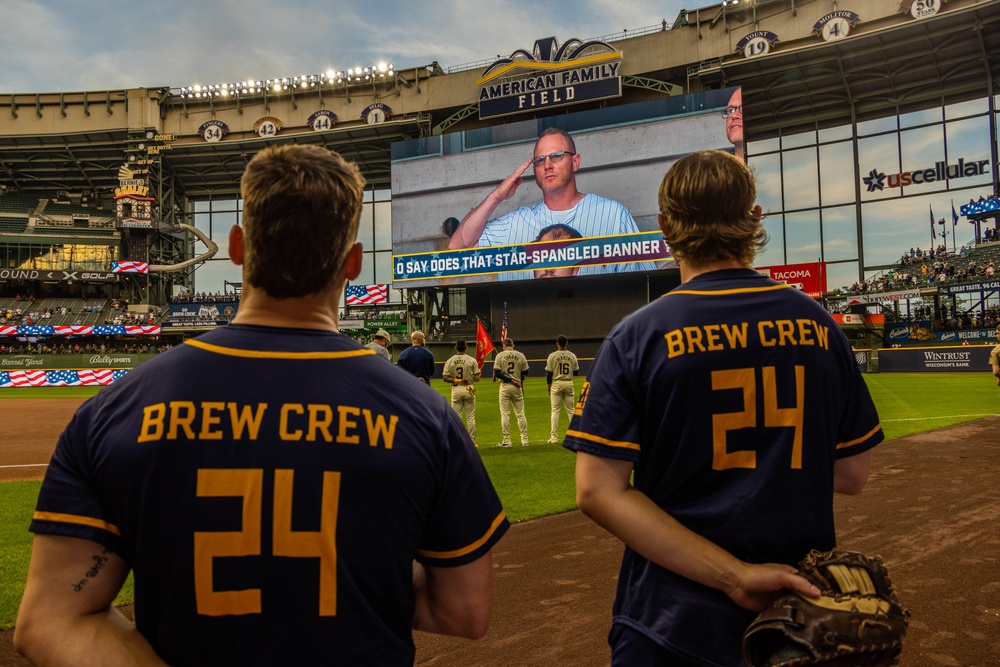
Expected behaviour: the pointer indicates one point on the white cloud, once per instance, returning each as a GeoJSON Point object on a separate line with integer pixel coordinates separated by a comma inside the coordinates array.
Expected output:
{"type": "Point", "coordinates": [54, 46]}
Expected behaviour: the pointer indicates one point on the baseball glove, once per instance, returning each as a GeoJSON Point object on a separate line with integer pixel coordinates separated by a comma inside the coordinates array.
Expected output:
{"type": "Point", "coordinates": [856, 620]}
{"type": "Point", "coordinates": [472, 390]}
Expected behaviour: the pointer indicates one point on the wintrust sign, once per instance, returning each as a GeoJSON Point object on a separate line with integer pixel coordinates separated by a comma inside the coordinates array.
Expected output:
{"type": "Point", "coordinates": [941, 171]}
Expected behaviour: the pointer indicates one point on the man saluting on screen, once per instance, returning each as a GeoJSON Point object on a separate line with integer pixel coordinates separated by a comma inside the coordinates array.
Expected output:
{"type": "Point", "coordinates": [555, 162]}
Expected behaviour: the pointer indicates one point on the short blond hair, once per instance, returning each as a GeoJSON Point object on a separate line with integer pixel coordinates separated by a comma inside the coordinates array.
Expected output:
{"type": "Point", "coordinates": [707, 202]}
{"type": "Point", "coordinates": [301, 207]}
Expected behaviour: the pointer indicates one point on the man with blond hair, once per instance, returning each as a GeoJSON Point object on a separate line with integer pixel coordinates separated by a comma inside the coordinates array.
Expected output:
{"type": "Point", "coordinates": [715, 426]}
{"type": "Point", "coordinates": [281, 495]}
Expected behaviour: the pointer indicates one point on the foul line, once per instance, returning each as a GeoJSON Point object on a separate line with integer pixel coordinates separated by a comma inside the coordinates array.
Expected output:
{"type": "Point", "coordinates": [920, 419]}
{"type": "Point", "coordinates": [27, 465]}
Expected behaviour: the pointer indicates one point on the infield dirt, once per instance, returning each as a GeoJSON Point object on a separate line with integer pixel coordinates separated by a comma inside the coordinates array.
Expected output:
{"type": "Point", "coordinates": [931, 509]}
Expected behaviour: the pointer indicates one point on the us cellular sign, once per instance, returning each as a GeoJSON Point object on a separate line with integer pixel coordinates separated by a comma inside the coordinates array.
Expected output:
{"type": "Point", "coordinates": [550, 76]}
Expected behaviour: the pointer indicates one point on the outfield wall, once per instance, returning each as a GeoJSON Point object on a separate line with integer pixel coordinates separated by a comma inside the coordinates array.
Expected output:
{"type": "Point", "coordinates": [23, 362]}
{"type": "Point", "coordinates": [954, 359]}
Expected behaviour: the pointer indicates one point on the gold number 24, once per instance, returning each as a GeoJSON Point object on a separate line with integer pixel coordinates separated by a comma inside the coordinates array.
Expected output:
{"type": "Point", "coordinates": [745, 379]}
{"type": "Point", "coordinates": [249, 485]}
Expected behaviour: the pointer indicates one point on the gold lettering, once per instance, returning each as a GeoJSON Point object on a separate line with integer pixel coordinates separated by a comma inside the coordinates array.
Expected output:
{"type": "Point", "coordinates": [377, 429]}
{"type": "Point", "coordinates": [764, 339]}
{"type": "Point", "coordinates": [345, 412]}
{"type": "Point", "coordinates": [805, 335]}
{"type": "Point", "coordinates": [694, 339]}
{"type": "Point", "coordinates": [786, 332]}
{"type": "Point", "coordinates": [283, 431]}
{"type": "Point", "coordinates": [823, 336]}
{"type": "Point", "coordinates": [675, 343]}
{"type": "Point", "coordinates": [320, 418]}
{"type": "Point", "coordinates": [712, 335]}
{"type": "Point", "coordinates": [246, 418]}
{"type": "Point", "coordinates": [736, 335]}
{"type": "Point", "coordinates": [182, 415]}
{"type": "Point", "coordinates": [152, 422]}
{"type": "Point", "coordinates": [208, 420]}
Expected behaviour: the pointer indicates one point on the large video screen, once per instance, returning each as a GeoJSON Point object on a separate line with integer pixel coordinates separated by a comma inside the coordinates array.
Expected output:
{"type": "Point", "coordinates": [491, 205]}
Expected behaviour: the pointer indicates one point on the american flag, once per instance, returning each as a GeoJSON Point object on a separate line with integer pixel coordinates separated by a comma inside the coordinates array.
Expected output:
{"type": "Point", "coordinates": [129, 267]}
{"type": "Point", "coordinates": [367, 295]}
{"type": "Point", "coordinates": [96, 377]}
{"type": "Point", "coordinates": [503, 327]}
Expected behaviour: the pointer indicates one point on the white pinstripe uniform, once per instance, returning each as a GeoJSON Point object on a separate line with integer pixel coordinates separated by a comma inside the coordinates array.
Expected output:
{"type": "Point", "coordinates": [592, 216]}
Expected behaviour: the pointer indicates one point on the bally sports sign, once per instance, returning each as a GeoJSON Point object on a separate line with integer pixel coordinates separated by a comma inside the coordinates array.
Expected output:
{"type": "Point", "coordinates": [550, 76]}
{"type": "Point", "coordinates": [810, 277]}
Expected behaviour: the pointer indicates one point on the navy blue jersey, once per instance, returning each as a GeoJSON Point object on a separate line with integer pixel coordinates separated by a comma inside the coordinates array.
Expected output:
{"type": "Point", "coordinates": [270, 489]}
{"type": "Point", "coordinates": [419, 361]}
{"type": "Point", "coordinates": [733, 395]}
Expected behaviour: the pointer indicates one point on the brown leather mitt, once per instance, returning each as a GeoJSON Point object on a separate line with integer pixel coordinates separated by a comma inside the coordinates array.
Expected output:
{"type": "Point", "coordinates": [856, 620]}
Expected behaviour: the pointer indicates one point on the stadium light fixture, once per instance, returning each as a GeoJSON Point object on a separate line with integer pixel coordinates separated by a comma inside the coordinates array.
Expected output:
{"type": "Point", "coordinates": [328, 79]}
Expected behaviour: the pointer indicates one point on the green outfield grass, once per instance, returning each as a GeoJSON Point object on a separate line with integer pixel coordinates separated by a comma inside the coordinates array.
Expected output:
{"type": "Point", "coordinates": [536, 480]}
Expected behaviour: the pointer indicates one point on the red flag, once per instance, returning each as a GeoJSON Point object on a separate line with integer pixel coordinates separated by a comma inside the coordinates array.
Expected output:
{"type": "Point", "coordinates": [483, 344]}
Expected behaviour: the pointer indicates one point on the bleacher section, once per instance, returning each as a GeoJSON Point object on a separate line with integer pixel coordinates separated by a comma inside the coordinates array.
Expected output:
{"type": "Point", "coordinates": [13, 225]}
{"type": "Point", "coordinates": [17, 205]}
{"type": "Point", "coordinates": [17, 212]}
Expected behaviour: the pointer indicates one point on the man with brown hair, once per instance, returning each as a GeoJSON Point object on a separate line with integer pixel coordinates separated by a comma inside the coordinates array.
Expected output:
{"type": "Point", "coordinates": [715, 426]}
{"type": "Point", "coordinates": [281, 495]}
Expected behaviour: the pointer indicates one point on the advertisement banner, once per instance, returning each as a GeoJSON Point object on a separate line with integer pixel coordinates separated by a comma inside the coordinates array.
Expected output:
{"type": "Point", "coordinates": [60, 361]}
{"type": "Point", "coordinates": [920, 331]}
{"type": "Point", "coordinates": [936, 360]}
{"type": "Point", "coordinates": [809, 277]}
{"type": "Point", "coordinates": [885, 297]}
{"type": "Point", "coordinates": [566, 255]}
{"type": "Point", "coordinates": [965, 288]}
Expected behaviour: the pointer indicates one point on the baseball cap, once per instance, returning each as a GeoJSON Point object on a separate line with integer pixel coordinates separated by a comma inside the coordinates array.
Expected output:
{"type": "Point", "coordinates": [382, 333]}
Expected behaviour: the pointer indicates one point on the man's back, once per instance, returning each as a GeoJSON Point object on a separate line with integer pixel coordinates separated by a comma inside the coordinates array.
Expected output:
{"type": "Point", "coordinates": [512, 363]}
{"type": "Point", "coordinates": [562, 364]}
{"type": "Point", "coordinates": [735, 394]}
{"type": "Point", "coordinates": [418, 361]}
{"type": "Point", "coordinates": [268, 516]}
{"type": "Point", "coordinates": [461, 367]}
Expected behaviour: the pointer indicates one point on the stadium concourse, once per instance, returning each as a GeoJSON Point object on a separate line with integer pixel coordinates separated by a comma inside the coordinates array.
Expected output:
{"type": "Point", "coordinates": [931, 510]}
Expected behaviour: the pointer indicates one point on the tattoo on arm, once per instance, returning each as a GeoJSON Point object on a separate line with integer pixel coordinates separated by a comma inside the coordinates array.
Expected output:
{"type": "Point", "coordinates": [98, 561]}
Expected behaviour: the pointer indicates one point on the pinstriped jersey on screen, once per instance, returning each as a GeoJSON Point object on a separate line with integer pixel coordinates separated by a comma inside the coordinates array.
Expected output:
{"type": "Point", "coordinates": [592, 216]}
{"type": "Point", "coordinates": [734, 396]}
{"type": "Point", "coordinates": [270, 489]}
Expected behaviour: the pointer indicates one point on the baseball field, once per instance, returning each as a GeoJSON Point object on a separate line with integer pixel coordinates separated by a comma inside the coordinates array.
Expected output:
{"type": "Point", "coordinates": [931, 510]}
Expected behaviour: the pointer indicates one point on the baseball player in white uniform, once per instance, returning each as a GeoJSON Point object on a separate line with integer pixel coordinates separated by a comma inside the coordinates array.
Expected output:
{"type": "Point", "coordinates": [460, 371]}
{"type": "Point", "coordinates": [560, 368]}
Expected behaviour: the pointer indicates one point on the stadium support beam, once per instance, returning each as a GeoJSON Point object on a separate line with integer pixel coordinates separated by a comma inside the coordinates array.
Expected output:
{"type": "Point", "coordinates": [654, 85]}
{"type": "Point", "coordinates": [456, 117]}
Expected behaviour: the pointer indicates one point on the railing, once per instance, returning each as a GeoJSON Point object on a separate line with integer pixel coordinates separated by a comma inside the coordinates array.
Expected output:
{"type": "Point", "coordinates": [625, 33]}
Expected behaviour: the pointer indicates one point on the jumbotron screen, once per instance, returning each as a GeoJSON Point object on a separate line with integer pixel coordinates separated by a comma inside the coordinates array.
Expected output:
{"type": "Point", "coordinates": [482, 206]}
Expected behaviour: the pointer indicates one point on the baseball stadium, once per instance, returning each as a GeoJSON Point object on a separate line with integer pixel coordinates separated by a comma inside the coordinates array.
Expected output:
{"type": "Point", "coordinates": [872, 130]}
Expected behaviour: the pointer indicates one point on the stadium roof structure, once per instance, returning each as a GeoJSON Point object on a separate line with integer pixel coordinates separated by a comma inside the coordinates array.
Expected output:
{"type": "Point", "coordinates": [891, 65]}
